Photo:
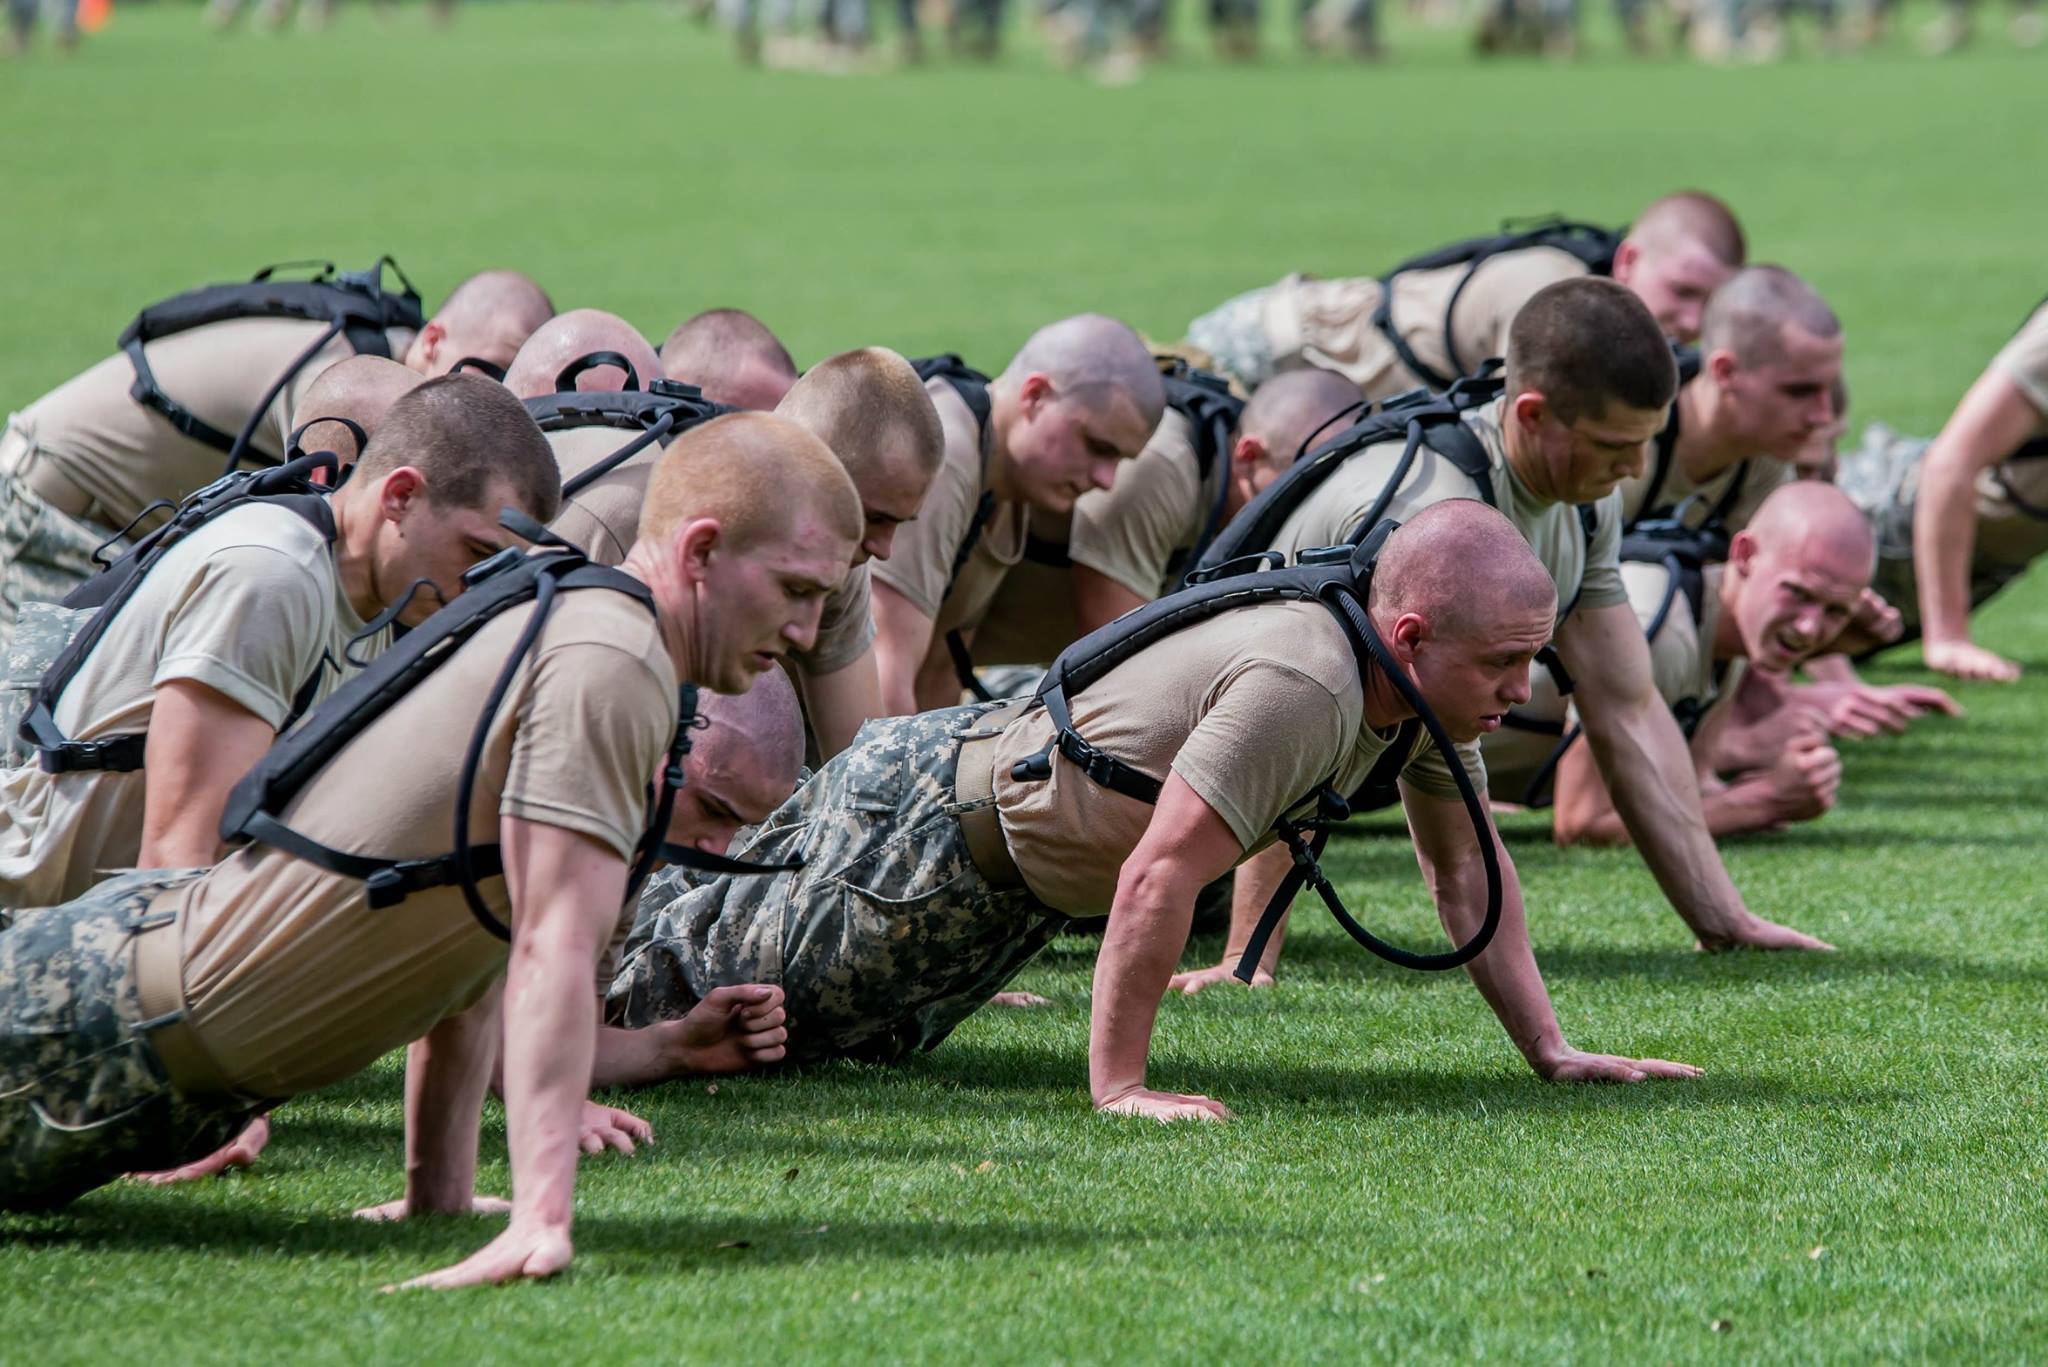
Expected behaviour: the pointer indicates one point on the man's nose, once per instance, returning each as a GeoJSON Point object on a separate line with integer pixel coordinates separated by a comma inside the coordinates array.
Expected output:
{"type": "Point", "coordinates": [1517, 691]}
{"type": "Point", "coordinates": [1103, 473]}
{"type": "Point", "coordinates": [878, 542]}
{"type": "Point", "coordinates": [802, 632]}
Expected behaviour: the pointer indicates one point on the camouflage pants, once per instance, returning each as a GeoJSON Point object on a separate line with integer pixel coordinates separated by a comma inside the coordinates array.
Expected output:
{"type": "Point", "coordinates": [83, 1098]}
{"type": "Point", "coordinates": [40, 634]}
{"type": "Point", "coordinates": [1882, 477]}
{"type": "Point", "coordinates": [43, 554]}
{"type": "Point", "coordinates": [1234, 335]}
{"type": "Point", "coordinates": [887, 937]}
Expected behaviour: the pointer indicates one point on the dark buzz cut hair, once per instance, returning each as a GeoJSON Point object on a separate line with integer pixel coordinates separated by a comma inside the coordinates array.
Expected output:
{"type": "Point", "coordinates": [1586, 343]}
{"type": "Point", "coordinates": [468, 436]}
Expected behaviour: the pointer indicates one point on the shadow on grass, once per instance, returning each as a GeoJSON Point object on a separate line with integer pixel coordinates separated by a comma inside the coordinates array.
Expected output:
{"type": "Point", "coordinates": [677, 1240]}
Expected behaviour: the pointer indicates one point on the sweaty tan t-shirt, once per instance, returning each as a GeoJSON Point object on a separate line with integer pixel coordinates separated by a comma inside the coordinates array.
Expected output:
{"type": "Point", "coordinates": [604, 519]}
{"type": "Point", "coordinates": [1256, 709]}
{"type": "Point", "coordinates": [1591, 575]}
{"type": "Point", "coordinates": [1328, 323]}
{"type": "Point", "coordinates": [127, 456]}
{"type": "Point", "coordinates": [293, 981]}
{"type": "Point", "coordinates": [250, 606]}
{"type": "Point", "coordinates": [2006, 535]}
{"type": "Point", "coordinates": [921, 565]}
{"type": "Point", "coordinates": [1681, 664]}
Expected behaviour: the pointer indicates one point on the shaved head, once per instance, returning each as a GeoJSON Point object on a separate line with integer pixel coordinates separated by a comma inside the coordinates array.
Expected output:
{"type": "Point", "coordinates": [872, 410]}
{"type": "Point", "coordinates": [1813, 520]}
{"type": "Point", "coordinates": [1287, 409]}
{"type": "Point", "coordinates": [570, 336]}
{"type": "Point", "coordinates": [732, 356]}
{"type": "Point", "coordinates": [759, 732]}
{"type": "Point", "coordinates": [1092, 358]}
{"type": "Point", "coordinates": [1748, 315]}
{"type": "Point", "coordinates": [1463, 568]}
{"type": "Point", "coordinates": [361, 389]}
{"type": "Point", "coordinates": [754, 473]}
{"type": "Point", "coordinates": [488, 316]}
{"type": "Point", "coordinates": [1693, 216]}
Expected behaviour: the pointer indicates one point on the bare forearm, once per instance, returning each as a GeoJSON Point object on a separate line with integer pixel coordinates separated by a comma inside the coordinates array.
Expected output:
{"type": "Point", "coordinates": [1506, 973]}
{"type": "Point", "coordinates": [1148, 926]}
{"type": "Point", "coordinates": [1944, 538]}
{"type": "Point", "coordinates": [1649, 776]}
{"type": "Point", "coordinates": [1258, 878]}
{"type": "Point", "coordinates": [446, 1075]}
{"type": "Point", "coordinates": [550, 1040]}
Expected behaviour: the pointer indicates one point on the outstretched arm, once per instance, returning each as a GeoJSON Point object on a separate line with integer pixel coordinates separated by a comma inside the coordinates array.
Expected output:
{"type": "Point", "coordinates": [200, 744]}
{"type": "Point", "coordinates": [567, 889]}
{"type": "Point", "coordinates": [1798, 785]}
{"type": "Point", "coordinates": [841, 702]}
{"type": "Point", "coordinates": [1447, 849]}
{"type": "Point", "coordinates": [1643, 759]}
{"type": "Point", "coordinates": [1993, 418]}
{"type": "Point", "coordinates": [1185, 846]}
{"type": "Point", "coordinates": [903, 637]}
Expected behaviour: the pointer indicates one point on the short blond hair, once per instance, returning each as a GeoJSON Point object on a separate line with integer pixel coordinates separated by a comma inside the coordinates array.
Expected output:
{"type": "Point", "coordinates": [756, 474]}
{"type": "Point", "coordinates": [868, 406]}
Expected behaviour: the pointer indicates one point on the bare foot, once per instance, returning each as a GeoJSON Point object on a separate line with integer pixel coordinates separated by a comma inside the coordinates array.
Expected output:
{"type": "Point", "coordinates": [238, 1152]}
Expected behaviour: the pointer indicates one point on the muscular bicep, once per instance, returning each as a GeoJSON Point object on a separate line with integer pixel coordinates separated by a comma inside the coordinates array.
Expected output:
{"type": "Point", "coordinates": [1994, 417]}
{"type": "Point", "coordinates": [1604, 651]}
{"type": "Point", "coordinates": [903, 637]}
{"type": "Point", "coordinates": [1099, 600]}
{"type": "Point", "coordinates": [1186, 833]}
{"type": "Point", "coordinates": [200, 744]}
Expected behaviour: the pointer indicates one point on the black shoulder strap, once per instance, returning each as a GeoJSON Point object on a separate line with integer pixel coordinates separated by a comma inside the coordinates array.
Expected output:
{"type": "Point", "coordinates": [657, 414]}
{"type": "Point", "coordinates": [1415, 419]}
{"type": "Point", "coordinates": [355, 304]}
{"type": "Point", "coordinates": [970, 384]}
{"type": "Point", "coordinates": [1595, 246]}
{"type": "Point", "coordinates": [109, 592]}
{"type": "Point", "coordinates": [1212, 412]}
{"type": "Point", "coordinates": [972, 387]}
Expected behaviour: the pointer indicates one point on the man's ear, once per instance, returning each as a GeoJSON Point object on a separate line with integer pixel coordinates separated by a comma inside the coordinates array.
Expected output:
{"type": "Point", "coordinates": [1626, 258]}
{"type": "Point", "coordinates": [1721, 365]}
{"type": "Point", "coordinates": [1247, 455]}
{"type": "Point", "coordinates": [694, 545]}
{"type": "Point", "coordinates": [1742, 553]}
{"type": "Point", "coordinates": [399, 491]}
{"type": "Point", "coordinates": [1411, 629]}
{"type": "Point", "coordinates": [430, 340]}
{"type": "Point", "coordinates": [1036, 389]}
{"type": "Point", "coordinates": [1529, 408]}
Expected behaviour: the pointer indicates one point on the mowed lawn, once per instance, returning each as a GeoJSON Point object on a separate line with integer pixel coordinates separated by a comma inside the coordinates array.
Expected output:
{"type": "Point", "coordinates": [1860, 1172]}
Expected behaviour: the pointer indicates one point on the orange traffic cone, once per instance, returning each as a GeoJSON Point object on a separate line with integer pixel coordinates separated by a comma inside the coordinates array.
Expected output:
{"type": "Point", "coordinates": [94, 15]}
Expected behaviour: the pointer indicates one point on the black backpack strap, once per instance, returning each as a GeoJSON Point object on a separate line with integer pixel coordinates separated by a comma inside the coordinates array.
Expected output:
{"type": "Point", "coordinates": [972, 387]}
{"type": "Point", "coordinates": [111, 590]}
{"type": "Point", "coordinates": [565, 381]}
{"type": "Point", "coordinates": [1212, 412]}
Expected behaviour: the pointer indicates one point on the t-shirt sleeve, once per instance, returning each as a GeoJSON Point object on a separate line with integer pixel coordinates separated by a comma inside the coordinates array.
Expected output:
{"type": "Point", "coordinates": [1602, 586]}
{"type": "Point", "coordinates": [921, 564]}
{"type": "Point", "coordinates": [1129, 532]}
{"type": "Point", "coordinates": [582, 522]}
{"type": "Point", "coordinates": [1427, 772]}
{"type": "Point", "coordinates": [846, 627]}
{"type": "Point", "coordinates": [594, 724]}
{"type": "Point", "coordinates": [1269, 737]}
{"type": "Point", "coordinates": [252, 625]}
{"type": "Point", "coordinates": [2024, 361]}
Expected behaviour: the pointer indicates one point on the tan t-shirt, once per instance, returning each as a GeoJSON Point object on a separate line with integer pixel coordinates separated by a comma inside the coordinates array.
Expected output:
{"type": "Point", "coordinates": [921, 565]}
{"type": "Point", "coordinates": [1328, 323]}
{"type": "Point", "coordinates": [292, 981]}
{"type": "Point", "coordinates": [249, 605]}
{"type": "Point", "coordinates": [1256, 709]}
{"type": "Point", "coordinates": [1742, 487]}
{"type": "Point", "coordinates": [1681, 664]}
{"type": "Point", "coordinates": [127, 456]}
{"type": "Point", "coordinates": [1591, 575]}
{"type": "Point", "coordinates": [1129, 533]}
{"type": "Point", "coordinates": [2005, 534]}
{"type": "Point", "coordinates": [604, 519]}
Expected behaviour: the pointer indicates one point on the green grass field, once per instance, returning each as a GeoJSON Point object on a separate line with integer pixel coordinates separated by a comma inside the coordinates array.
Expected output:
{"type": "Point", "coordinates": [1860, 1172]}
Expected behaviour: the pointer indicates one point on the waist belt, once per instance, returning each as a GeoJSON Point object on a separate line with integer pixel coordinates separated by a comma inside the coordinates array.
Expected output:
{"type": "Point", "coordinates": [160, 983]}
{"type": "Point", "coordinates": [981, 827]}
